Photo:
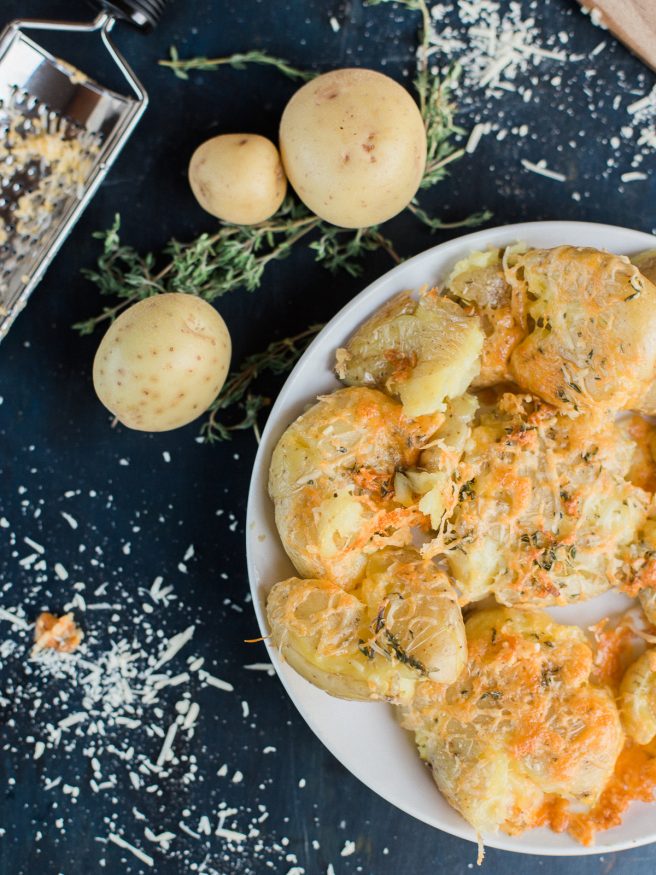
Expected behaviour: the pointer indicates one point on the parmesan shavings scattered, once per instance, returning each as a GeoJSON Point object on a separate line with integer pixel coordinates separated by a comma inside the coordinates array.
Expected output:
{"type": "Point", "coordinates": [140, 855]}
{"type": "Point", "coordinates": [494, 44]}
{"type": "Point", "coordinates": [542, 170]}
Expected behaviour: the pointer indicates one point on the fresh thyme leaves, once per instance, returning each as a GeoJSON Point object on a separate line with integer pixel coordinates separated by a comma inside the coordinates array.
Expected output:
{"type": "Point", "coordinates": [340, 250]}
{"type": "Point", "coordinates": [234, 257]}
{"type": "Point", "coordinates": [277, 358]}
{"type": "Point", "coordinates": [438, 225]}
{"type": "Point", "coordinates": [210, 266]}
{"type": "Point", "coordinates": [366, 649]}
{"type": "Point", "coordinates": [238, 61]}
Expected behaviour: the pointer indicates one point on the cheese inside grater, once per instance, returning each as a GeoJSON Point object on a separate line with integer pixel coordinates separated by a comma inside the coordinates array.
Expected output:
{"type": "Point", "coordinates": [45, 163]}
{"type": "Point", "coordinates": [60, 133]}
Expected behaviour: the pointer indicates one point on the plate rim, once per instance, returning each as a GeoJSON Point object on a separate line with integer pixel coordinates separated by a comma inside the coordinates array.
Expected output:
{"type": "Point", "coordinates": [257, 483]}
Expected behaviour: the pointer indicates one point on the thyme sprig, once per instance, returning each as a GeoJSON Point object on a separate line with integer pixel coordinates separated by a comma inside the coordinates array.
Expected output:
{"type": "Point", "coordinates": [436, 224]}
{"type": "Point", "coordinates": [337, 249]}
{"type": "Point", "coordinates": [277, 358]}
{"type": "Point", "coordinates": [212, 265]}
{"type": "Point", "coordinates": [238, 61]}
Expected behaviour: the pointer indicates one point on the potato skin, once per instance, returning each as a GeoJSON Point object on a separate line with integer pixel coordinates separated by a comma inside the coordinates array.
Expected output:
{"type": "Point", "coordinates": [162, 362]}
{"type": "Point", "coordinates": [422, 351]}
{"type": "Point", "coordinates": [402, 624]}
{"type": "Point", "coordinates": [477, 283]}
{"type": "Point", "coordinates": [589, 319]}
{"type": "Point", "coordinates": [646, 264]}
{"type": "Point", "coordinates": [638, 699]}
{"type": "Point", "coordinates": [238, 178]}
{"type": "Point", "coordinates": [353, 145]}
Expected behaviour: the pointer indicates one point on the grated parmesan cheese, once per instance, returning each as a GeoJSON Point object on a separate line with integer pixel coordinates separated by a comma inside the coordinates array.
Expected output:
{"type": "Point", "coordinates": [139, 854]}
{"type": "Point", "coordinates": [542, 170]}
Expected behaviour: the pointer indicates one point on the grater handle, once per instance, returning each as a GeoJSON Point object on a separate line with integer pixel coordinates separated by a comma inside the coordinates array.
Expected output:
{"type": "Point", "coordinates": [145, 14]}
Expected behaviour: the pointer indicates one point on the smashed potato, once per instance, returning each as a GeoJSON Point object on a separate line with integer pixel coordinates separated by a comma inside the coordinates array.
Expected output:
{"type": "Point", "coordinates": [478, 284]}
{"type": "Point", "coordinates": [646, 264]}
{"type": "Point", "coordinates": [642, 472]}
{"type": "Point", "coordinates": [422, 351]}
{"type": "Point", "coordinates": [647, 598]}
{"type": "Point", "coordinates": [545, 515]}
{"type": "Point", "coordinates": [431, 486]}
{"type": "Point", "coordinates": [521, 724]}
{"type": "Point", "coordinates": [590, 323]}
{"type": "Point", "coordinates": [400, 624]}
{"type": "Point", "coordinates": [638, 699]}
{"type": "Point", "coordinates": [331, 481]}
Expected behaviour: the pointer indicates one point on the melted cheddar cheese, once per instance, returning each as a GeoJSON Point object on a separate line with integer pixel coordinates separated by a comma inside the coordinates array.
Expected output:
{"type": "Point", "coordinates": [545, 515]}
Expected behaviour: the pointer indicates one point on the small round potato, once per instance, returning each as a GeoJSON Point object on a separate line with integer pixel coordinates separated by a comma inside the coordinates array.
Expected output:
{"type": "Point", "coordinates": [353, 145]}
{"type": "Point", "coordinates": [238, 178]}
{"type": "Point", "coordinates": [162, 362]}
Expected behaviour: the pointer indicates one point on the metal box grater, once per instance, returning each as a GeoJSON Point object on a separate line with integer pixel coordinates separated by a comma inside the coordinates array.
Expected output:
{"type": "Point", "coordinates": [61, 132]}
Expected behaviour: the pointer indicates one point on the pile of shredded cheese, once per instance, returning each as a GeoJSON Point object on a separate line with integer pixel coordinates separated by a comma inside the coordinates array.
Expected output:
{"type": "Point", "coordinates": [112, 726]}
{"type": "Point", "coordinates": [520, 54]}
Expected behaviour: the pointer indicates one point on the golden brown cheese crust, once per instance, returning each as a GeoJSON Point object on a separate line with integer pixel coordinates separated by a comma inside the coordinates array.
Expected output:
{"type": "Point", "coordinates": [537, 504]}
{"type": "Point", "coordinates": [401, 624]}
{"type": "Point", "coordinates": [545, 514]}
{"type": "Point", "coordinates": [638, 699]}
{"type": "Point", "coordinates": [634, 776]}
{"type": "Point", "coordinates": [522, 724]}
{"type": "Point", "coordinates": [634, 779]}
{"type": "Point", "coordinates": [590, 324]}
{"type": "Point", "coordinates": [56, 633]}
{"type": "Point", "coordinates": [647, 598]}
{"type": "Point", "coordinates": [482, 289]}
{"type": "Point", "coordinates": [331, 481]}
{"type": "Point", "coordinates": [646, 264]}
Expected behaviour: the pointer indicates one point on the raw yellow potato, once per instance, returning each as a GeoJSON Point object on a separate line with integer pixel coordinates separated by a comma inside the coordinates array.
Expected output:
{"type": "Point", "coordinates": [401, 623]}
{"type": "Point", "coordinates": [162, 362]}
{"type": "Point", "coordinates": [238, 178]}
{"type": "Point", "coordinates": [353, 144]}
{"type": "Point", "coordinates": [422, 350]}
{"type": "Point", "coordinates": [638, 699]}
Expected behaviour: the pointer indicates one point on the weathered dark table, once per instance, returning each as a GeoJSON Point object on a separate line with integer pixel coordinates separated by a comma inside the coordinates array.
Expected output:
{"type": "Point", "coordinates": [112, 509]}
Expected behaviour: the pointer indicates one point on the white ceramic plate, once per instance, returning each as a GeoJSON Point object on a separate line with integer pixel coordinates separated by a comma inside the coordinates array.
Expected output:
{"type": "Point", "coordinates": [365, 737]}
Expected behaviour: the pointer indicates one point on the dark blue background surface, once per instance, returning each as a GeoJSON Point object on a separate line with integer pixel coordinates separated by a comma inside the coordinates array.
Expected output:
{"type": "Point", "coordinates": [55, 437]}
